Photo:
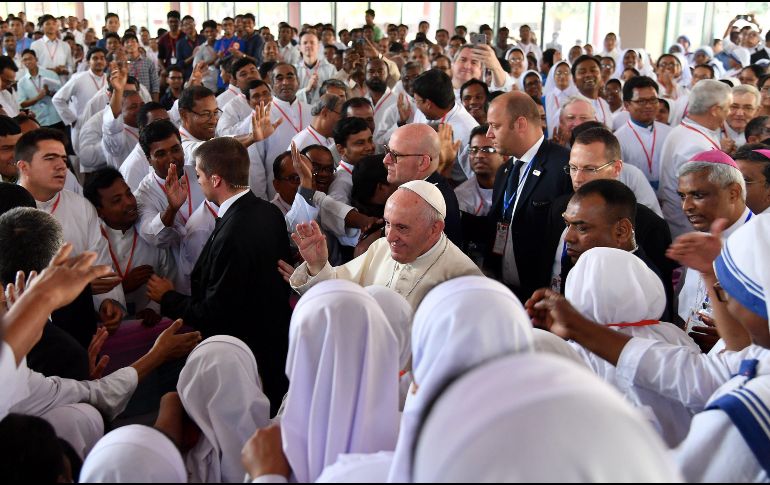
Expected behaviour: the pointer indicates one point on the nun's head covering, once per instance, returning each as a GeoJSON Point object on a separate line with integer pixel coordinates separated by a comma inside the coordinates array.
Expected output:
{"type": "Point", "coordinates": [548, 343]}
{"type": "Point", "coordinates": [550, 81]}
{"type": "Point", "coordinates": [743, 269]}
{"type": "Point", "coordinates": [134, 454]}
{"type": "Point", "coordinates": [524, 76]}
{"type": "Point", "coordinates": [611, 286]}
{"type": "Point", "coordinates": [399, 313]}
{"type": "Point", "coordinates": [458, 325]}
{"type": "Point", "coordinates": [343, 370]}
{"type": "Point", "coordinates": [705, 50]}
{"type": "Point", "coordinates": [741, 55]}
{"type": "Point", "coordinates": [220, 390]}
{"type": "Point", "coordinates": [537, 418]}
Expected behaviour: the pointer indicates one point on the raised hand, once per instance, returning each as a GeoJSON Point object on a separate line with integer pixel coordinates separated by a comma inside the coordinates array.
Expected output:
{"type": "Point", "coordinates": [404, 109]}
{"type": "Point", "coordinates": [303, 167]}
{"type": "Point", "coordinates": [285, 269]}
{"type": "Point", "coordinates": [96, 369]}
{"type": "Point", "coordinates": [118, 75]}
{"type": "Point", "coordinates": [699, 250]}
{"type": "Point", "coordinates": [261, 126]}
{"type": "Point", "coordinates": [176, 188]}
{"type": "Point", "coordinates": [263, 453]}
{"type": "Point", "coordinates": [170, 345]}
{"type": "Point", "coordinates": [449, 149]}
{"type": "Point", "coordinates": [312, 246]}
{"type": "Point", "coordinates": [311, 85]}
{"type": "Point", "coordinates": [196, 78]}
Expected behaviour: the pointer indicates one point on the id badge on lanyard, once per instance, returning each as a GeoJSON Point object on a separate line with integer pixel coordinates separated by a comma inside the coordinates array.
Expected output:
{"type": "Point", "coordinates": [501, 238]}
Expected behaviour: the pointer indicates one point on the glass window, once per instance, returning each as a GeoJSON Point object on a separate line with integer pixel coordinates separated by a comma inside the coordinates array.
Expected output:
{"type": "Point", "coordinates": [120, 8]}
{"type": "Point", "coordinates": [473, 14]}
{"type": "Point", "coordinates": [514, 15]}
{"type": "Point", "coordinates": [688, 20]}
{"type": "Point", "coordinates": [315, 12]}
{"type": "Point", "coordinates": [35, 10]}
{"type": "Point", "coordinates": [569, 21]}
{"type": "Point", "coordinates": [220, 10]}
{"type": "Point", "coordinates": [14, 7]}
{"type": "Point", "coordinates": [605, 18]}
{"type": "Point", "coordinates": [196, 9]}
{"type": "Point", "coordinates": [271, 14]}
{"type": "Point", "coordinates": [350, 15]}
{"type": "Point", "coordinates": [94, 13]}
{"type": "Point", "coordinates": [413, 13]}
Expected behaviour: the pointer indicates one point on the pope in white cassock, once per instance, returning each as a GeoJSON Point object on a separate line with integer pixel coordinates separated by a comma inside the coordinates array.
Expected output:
{"type": "Point", "coordinates": [412, 258]}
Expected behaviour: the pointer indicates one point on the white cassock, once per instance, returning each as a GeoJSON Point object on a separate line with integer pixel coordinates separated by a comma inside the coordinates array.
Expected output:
{"type": "Point", "coordinates": [135, 167]}
{"type": "Point", "coordinates": [462, 124]}
{"type": "Point", "coordinates": [310, 136]}
{"type": "Point", "coordinates": [637, 182]}
{"type": "Point", "coordinates": [384, 129]}
{"type": "Point", "coordinates": [631, 304]}
{"type": "Point", "coordinates": [91, 157]}
{"type": "Point", "coordinates": [684, 141]}
{"type": "Point", "coordinates": [642, 147]}
{"type": "Point", "coordinates": [619, 119]}
{"type": "Point", "coordinates": [322, 68]}
{"type": "Point", "coordinates": [259, 166]}
{"type": "Point", "coordinates": [80, 227]}
{"type": "Point", "coordinates": [71, 183]}
{"type": "Point", "coordinates": [388, 99]}
{"type": "Point", "coordinates": [296, 117]}
{"type": "Point", "coordinates": [118, 139]}
{"type": "Point", "coordinates": [189, 144]}
{"type": "Point", "coordinates": [473, 199]}
{"type": "Point", "coordinates": [678, 109]}
{"type": "Point", "coordinates": [53, 53]}
{"type": "Point", "coordinates": [342, 186]}
{"type": "Point", "coordinates": [376, 267]}
{"type": "Point", "coordinates": [129, 251]}
{"type": "Point", "coordinates": [603, 111]}
{"type": "Point", "coordinates": [693, 295]}
{"type": "Point", "coordinates": [197, 231]}
{"type": "Point", "coordinates": [9, 101]}
{"type": "Point", "coordinates": [290, 53]}
{"type": "Point", "coordinates": [174, 116]}
{"type": "Point", "coordinates": [235, 111]}
{"type": "Point", "coordinates": [99, 101]}
{"type": "Point", "coordinates": [151, 197]}
{"type": "Point", "coordinates": [227, 95]}
{"type": "Point", "coordinates": [738, 138]}
{"type": "Point", "coordinates": [71, 99]}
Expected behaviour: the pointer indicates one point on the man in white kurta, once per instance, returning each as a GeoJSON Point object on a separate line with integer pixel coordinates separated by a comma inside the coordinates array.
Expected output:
{"type": "Point", "coordinates": [119, 131]}
{"type": "Point", "coordinates": [698, 132]}
{"type": "Point", "coordinates": [91, 156]}
{"type": "Point", "coordinates": [312, 71]}
{"type": "Point", "coordinates": [72, 98]}
{"type": "Point", "coordinates": [197, 231]}
{"type": "Point", "coordinates": [135, 167]}
{"type": "Point", "coordinates": [52, 53]}
{"type": "Point", "coordinates": [411, 259]}
{"type": "Point", "coordinates": [235, 111]}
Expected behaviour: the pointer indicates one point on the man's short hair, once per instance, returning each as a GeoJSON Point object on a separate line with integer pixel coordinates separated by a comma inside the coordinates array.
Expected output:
{"type": "Point", "coordinates": [26, 147]}
{"type": "Point", "coordinates": [8, 126]}
{"type": "Point", "coordinates": [175, 68]}
{"type": "Point", "coordinates": [719, 174]}
{"type": "Point", "coordinates": [478, 130]}
{"type": "Point", "coordinates": [29, 239]}
{"type": "Point", "coordinates": [369, 12]}
{"type": "Point", "coordinates": [99, 180]}
{"type": "Point", "coordinates": [710, 68]}
{"type": "Point", "coordinates": [472, 82]}
{"type": "Point", "coordinates": [7, 63]}
{"type": "Point", "coordinates": [328, 101]}
{"type": "Point", "coordinates": [109, 16]}
{"type": "Point", "coordinates": [280, 64]}
{"type": "Point", "coordinates": [13, 196]}
{"type": "Point", "coordinates": [209, 24]}
{"type": "Point", "coordinates": [347, 127]}
{"type": "Point", "coordinates": [619, 199]}
{"type": "Point", "coordinates": [278, 163]}
{"type": "Point", "coordinates": [601, 135]}
{"type": "Point", "coordinates": [436, 87]}
{"type": "Point", "coordinates": [112, 35]}
{"type": "Point", "coordinates": [173, 14]}
{"type": "Point", "coordinates": [226, 157]}
{"type": "Point", "coordinates": [755, 127]}
{"type": "Point", "coordinates": [253, 84]}
{"type": "Point", "coordinates": [192, 94]}
{"type": "Point", "coordinates": [637, 82]}
{"type": "Point", "coordinates": [266, 68]}
{"type": "Point", "coordinates": [142, 117]}
{"type": "Point", "coordinates": [95, 50]}
{"type": "Point", "coordinates": [250, 16]}
{"type": "Point", "coordinates": [334, 83]}
{"type": "Point", "coordinates": [354, 103]}
{"type": "Point", "coordinates": [583, 58]}
{"type": "Point", "coordinates": [240, 64]}
{"type": "Point", "coordinates": [155, 132]}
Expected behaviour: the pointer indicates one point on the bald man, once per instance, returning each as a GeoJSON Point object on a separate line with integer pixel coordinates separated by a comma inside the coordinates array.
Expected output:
{"type": "Point", "coordinates": [525, 187]}
{"type": "Point", "coordinates": [414, 256]}
{"type": "Point", "coordinates": [413, 154]}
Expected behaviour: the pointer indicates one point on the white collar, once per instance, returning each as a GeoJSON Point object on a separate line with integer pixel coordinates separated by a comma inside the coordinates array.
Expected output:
{"type": "Point", "coordinates": [286, 104]}
{"type": "Point", "coordinates": [186, 136]}
{"type": "Point", "coordinates": [530, 154]}
{"type": "Point", "coordinates": [229, 202]}
{"type": "Point", "coordinates": [743, 219]}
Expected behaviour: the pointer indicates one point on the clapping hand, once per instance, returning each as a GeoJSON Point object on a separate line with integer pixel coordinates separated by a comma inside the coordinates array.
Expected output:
{"type": "Point", "coordinates": [176, 188]}
{"type": "Point", "coordinates": [261, 126]}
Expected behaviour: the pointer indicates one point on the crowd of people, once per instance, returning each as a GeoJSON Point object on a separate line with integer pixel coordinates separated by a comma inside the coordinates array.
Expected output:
{"type": "Point", "coordinates": [358, 256]}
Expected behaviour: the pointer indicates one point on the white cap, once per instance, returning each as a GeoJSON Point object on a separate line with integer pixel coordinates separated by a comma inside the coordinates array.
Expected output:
{"type": "Point", "coordinates": [429, 193]}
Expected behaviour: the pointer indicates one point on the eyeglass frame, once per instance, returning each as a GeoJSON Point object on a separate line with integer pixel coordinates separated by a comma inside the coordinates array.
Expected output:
{"type": "Point", "coordinates": [646, 102]}
{"type": "Point", "coordinates": [487, 149]}
{"type": "Point", "coordinates": [394, 155]}
{"type": "Point", "coordinates": [290, 179]}
{"type": "Point", "coordinates": [217, 112]}
{"type": "Point", "coordinates": [316, 170]}
{"type": "Point", "coordinates": [568, 169]}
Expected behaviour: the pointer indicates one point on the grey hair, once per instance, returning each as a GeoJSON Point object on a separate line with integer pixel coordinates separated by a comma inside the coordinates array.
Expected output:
{"type": "Point", "coordinates": [748, 89]}
{"type": "Point", "coordinates": [706, 94]}
{"type": "Point", "coordinates": [328, 101]}
{"type": "Point", "coordinates": [430, 214]}
{"type": "Point", "coordinates": [574, 99]}
{"type": "Point", "coordinates": [29, 239]}
{"type": "Point", "coordinates": [719, 174]}
{"type": "Point", "coordinates": [334, 83]}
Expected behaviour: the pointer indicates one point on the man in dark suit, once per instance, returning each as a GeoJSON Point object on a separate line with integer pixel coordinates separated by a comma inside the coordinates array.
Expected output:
{"type": "Point", "coordinates": [235, 287]}
{"type": "Point", "coordinates": [595, 156]}
{"type": "Point", "coordinates": [525, 187]}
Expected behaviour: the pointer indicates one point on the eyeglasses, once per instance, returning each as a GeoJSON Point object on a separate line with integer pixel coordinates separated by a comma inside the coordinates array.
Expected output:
{"type": "Point", "coordinates": [572, 170]}
{"type": "Point", "coordinates": [394, 156]}
{"type": "Point", "coordinates": [667, 65]}
{"type": "Point", "coordinates": [293, 179]}
{"type": "Point", "coordinates": [475, 150]}
{"type": "Point", "coordinates": [328, 169]}
{"type": "Point", "coordinates": [646, 102]}
{"type": "Point", "coordinates": [209, 114]}
{"type": "Point", "coordinates": [561, 74]}
{"type": "Point", "coordinates": [720, 292]}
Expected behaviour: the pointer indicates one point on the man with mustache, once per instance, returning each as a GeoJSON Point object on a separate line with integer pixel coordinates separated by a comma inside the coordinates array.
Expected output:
{"type": "Point", "coordinates": [378, 91]}
{"type": "Point", "coordinates": [587, 72]}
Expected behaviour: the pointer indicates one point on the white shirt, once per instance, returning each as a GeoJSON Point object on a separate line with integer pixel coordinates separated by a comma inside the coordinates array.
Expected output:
{"type": "Point", "coordinates": [189, 144]}
{"type": "Point", "coordinates": [90, 153]}
{"type": "Point", "coordinates": [289, 53]}
{"type": "Point", "coordinates": [642, 147]}
{"type": "Point", "coordinates": [619, 119]}
{"type": "Point", "coordinates": [135, 168]}
{"type": "Point", "coordinates": [227, 96]}
{"type": "Point", "coordinates": [296, 117]}
{"type": "Point", "coordinates": [472, 198]}
{"type": "Point", "coordinates": [637, 182]}
{"type": "Point", "coordinates": [234, 112]}
{"type": "Point", "coordinates": [342, 185]}
{"type": "Point", "coordinates": [684, 141]}
{"type": "Point", "coordinates": [53, 53]}
{"type": "Point", "coordinates": [510, 270]}
{"type": "Point", "coordinates": [229, 203]}
{"type": "Point", "coordinates": [384, 129]}
{"type": "Point", "coordinates": [531, 47]}
{"type": "Point", "coordinates": [118, 139]}
{"type": "Point", "coordinates": [603, 111]}
{"type": "Point", "coordinates": [461, 121]}
{"type": "Point", "coordinates": [72, 98]}
{"type": "Point", "coordinates": [197, 231]}
{"type": "Point", "coordinates": [388, 99]}
{"type": "Point", "coordinates": [310, 136]}
{"type": "Point", "coordinates": [94, 105]}
{"type": "Point", "coordinates": [129, 251]}
{"type": "Point", "coordinates": [80, 227]}
{"type": "Point", "coordinates": [9, 102]}
{"type": "Point", "coordinates": [322, 68]}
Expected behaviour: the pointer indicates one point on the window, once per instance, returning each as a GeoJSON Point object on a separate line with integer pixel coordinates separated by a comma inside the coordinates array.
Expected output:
{"type": "Point", "coordinates": [474, 14]}
{"type": "Point", "coordinates": [94, 12]}
{"type": "Point", "coordinates": [569, 21]}
{"type": "Point", "coordinates": [514, 15]}
{"type": "Point", "coordinates": [605, 18]}
{"type": "Point", "coordinates": [350, 15]}
{"type": "Point", "coordinates": [220, 10]}
{"type": "Point", "coordinates": [686, 19]}
{"type": "Point", "coordinates": [196, 9]}
{"type": "Point", "coordinates": [266, 13]}
{"type": "Point", "coordinates": [315, 12]}
{"type": "Point", "coordinates": [120, 8]}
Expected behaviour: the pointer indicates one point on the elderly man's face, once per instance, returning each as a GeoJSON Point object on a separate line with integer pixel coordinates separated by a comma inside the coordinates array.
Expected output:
{"type": "Point", "coordinates": [589, 226]}
{"type": "Point", "coordinates": [742, 110]}
{"type": "Point", "coordinates": [404, 161]}
{"type": "Point", "coordinates": [575, 114]}
{"type": "Point", "coordinates": [703, 201]}
{"type": "Point", "coordinates": [408, 231]}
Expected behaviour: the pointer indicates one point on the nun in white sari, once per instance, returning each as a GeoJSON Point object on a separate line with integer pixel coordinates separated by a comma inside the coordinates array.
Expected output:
{"type": "Point", "coordinates": [343, 366]}
{"type": "Point", "coordinates": [221, 391]}
{"type": "Point", "coordinates": [559, 87]}
{"type": "Point", "coordinates": [134, 454]}
{"type": "Point", "coordinates": [536, 418]}
{"type": "Point", "coordinates": [615, 288]}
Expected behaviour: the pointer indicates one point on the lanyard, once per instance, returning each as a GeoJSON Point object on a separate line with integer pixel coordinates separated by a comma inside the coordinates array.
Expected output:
{"type": "Point", "coordinates": [382, 101]}
{"type": "Point", "coordinates": [115, 259]}
{"type": "Point", "coordinates": [93, 80]}
{"type": "Point", "coordinates": [56, 204]}
{"type": "Point", "coordinates": [313, 133]}
{"type": "Point", "coordinates": [481, 200]}
{"type": "Point", "coordinates": [189, 199]}
{"type": "Point", "coordinates": [134, 66]}
{"type": "Point", "coordinates": [287, 118]}
{"type": "Point", "coordinates": [37, 87]}
{"type": "Point", "coordinates": [556, 100]}
{"type": "Point", "coordinates": [604, 115]}
{"type": "Point", "coordinates": [508, 200]}
{"type": "Point", "coordinates": [444, 118]}
{"type": "Point", "coordinates": [643, 323]}
{"type": "Point", "coordinates": [691, 128]}
{"type": "Point", "coordinates": [650, 155]}
{"type": "Point", "coordinates": [344, 167]}
{"type": "Point", "coordinates": [211, 210]}
{"type": "Point", "coordinates": [52, 55]}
